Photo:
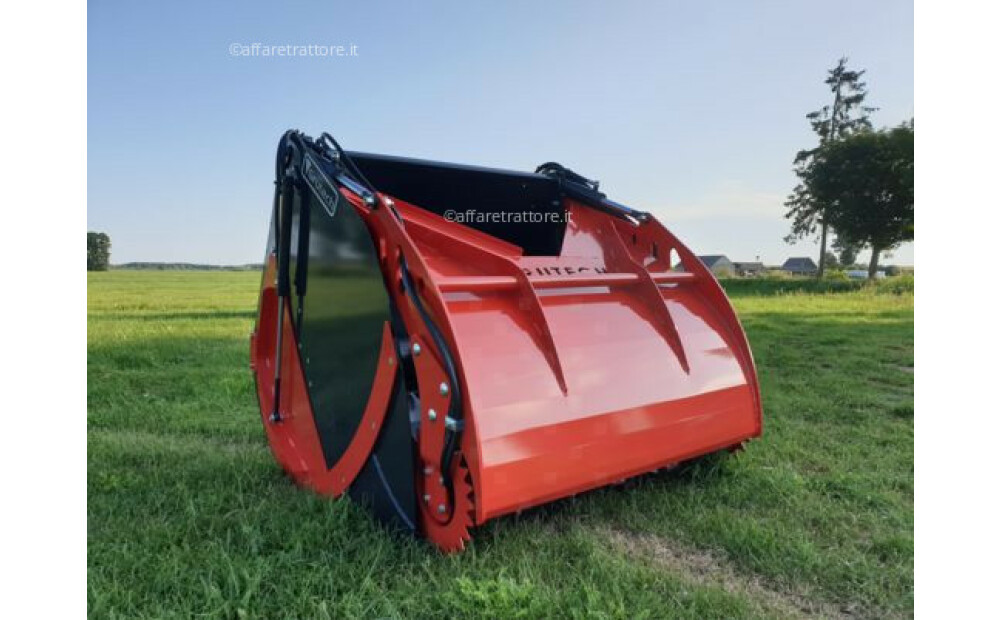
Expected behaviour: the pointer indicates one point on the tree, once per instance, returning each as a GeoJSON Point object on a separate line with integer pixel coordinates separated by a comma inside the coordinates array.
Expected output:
{"type": "Point", "coordinates": [831, 260]}
{"type": "Point", "coordinates": [834, 122]}
{"type": "Point", "coordinates": [866, 182]}
{"type": "Point", "coordinates": [847, 252]}
{"type": "Point", "coordinates": [98, 251]}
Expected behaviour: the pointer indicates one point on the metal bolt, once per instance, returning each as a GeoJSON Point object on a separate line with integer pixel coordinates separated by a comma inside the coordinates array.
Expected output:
{"type": "Point", "coordinates": [427, 498]}
{"type": "Point", "coordinates": [444, 389]}
{"type": "Point", "coordinates": [432, 415]}
{"type": "Point", "coordinates": [428, 471]}
{"type": "Point", "coordinates": [416, 348]}
{"type": "Point", "coordinates": [441, 508]}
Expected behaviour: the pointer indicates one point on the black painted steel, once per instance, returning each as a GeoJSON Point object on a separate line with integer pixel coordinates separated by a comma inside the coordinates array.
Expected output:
{"type": "Point", "coordinates": [586, 191]}
{"type": "Point", "coordinates": [386, 484]}
{"type": "Point", "coordinates": [496, 202]}
{"type": "Point", "coordinates": [342, 319]}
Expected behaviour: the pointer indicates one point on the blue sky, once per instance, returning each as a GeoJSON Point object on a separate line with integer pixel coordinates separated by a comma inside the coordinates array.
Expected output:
{"type": "Point", "coordinates": [693, 110]}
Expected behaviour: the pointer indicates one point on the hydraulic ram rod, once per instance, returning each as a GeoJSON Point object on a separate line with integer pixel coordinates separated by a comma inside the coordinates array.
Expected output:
{"type": "Point", "coordinates": [284, 217]}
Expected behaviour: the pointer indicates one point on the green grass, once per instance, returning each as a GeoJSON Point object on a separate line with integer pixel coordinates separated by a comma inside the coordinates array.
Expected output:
{"type": "Point", "coordinates": [188, 516]}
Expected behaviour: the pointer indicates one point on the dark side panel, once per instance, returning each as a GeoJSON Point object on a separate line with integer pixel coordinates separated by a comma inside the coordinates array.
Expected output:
{"type": "Point", "coordinates": [343, 313]}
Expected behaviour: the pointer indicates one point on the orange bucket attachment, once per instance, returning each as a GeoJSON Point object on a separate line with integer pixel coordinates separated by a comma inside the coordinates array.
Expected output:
{"type": "Point", "coordinates": [448, 344]}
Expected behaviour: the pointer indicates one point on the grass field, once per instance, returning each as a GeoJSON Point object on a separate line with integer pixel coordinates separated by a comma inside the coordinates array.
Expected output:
{"type": "Point", "coordinates": [188, 516]}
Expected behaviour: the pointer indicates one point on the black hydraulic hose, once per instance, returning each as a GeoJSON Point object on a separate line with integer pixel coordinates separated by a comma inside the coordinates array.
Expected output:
{"type": "Point", "coordinates": [356, 173]}
{"type": "Point", "coordinates": [344, 157]}
{"type": "Point", "coordinates": [302, 256]}
{"type": "Point", "coordinates": [584, 190]}
{"type": "Point", "coordinates": [454, 424]}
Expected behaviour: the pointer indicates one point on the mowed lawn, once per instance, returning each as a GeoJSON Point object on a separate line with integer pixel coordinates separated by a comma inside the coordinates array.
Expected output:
{"type": "Point", "coordinates": [189, 516]}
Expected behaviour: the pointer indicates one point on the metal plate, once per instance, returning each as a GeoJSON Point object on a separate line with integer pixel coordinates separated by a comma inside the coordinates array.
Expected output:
{"type": "Point", "coordinates": [344, 311]}
{"type": "Point", "coordinates": [385, 484]}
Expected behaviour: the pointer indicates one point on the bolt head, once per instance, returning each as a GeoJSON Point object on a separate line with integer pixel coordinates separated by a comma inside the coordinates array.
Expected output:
{"type": "Point", "coordinates": [444, 389]}
{"type": "Point", "coordinates": [428, 471]}
{"type": "Point", "coordinates": [427, 498]}
{"type": "Point", "coordinates": [416, 348]}
{"type": "Point", "coordinates": [432, 415]}
{"type": "Point", "coordinates": [441, 509]}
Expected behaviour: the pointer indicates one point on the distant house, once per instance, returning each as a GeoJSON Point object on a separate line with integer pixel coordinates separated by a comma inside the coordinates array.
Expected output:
{"type": "Point", "coordinates": [800, 266]}
{"type": "Point", "coordinates": [718, 264]}
{"type": "Point", "coordinates": [745, 270]}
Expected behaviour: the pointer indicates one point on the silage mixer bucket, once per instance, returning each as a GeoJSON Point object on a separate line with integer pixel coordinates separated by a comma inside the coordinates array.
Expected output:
{"type": "Point", "coordinates": [448, 343]}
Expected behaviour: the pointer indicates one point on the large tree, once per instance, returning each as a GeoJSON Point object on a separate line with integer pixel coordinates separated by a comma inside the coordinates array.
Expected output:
{"type": "Point", "coordinates": [866, 182]}
{"type": "Point", "coordinates": [845, 116]}
{"type": "Point", "coordinates": [98, 251]}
